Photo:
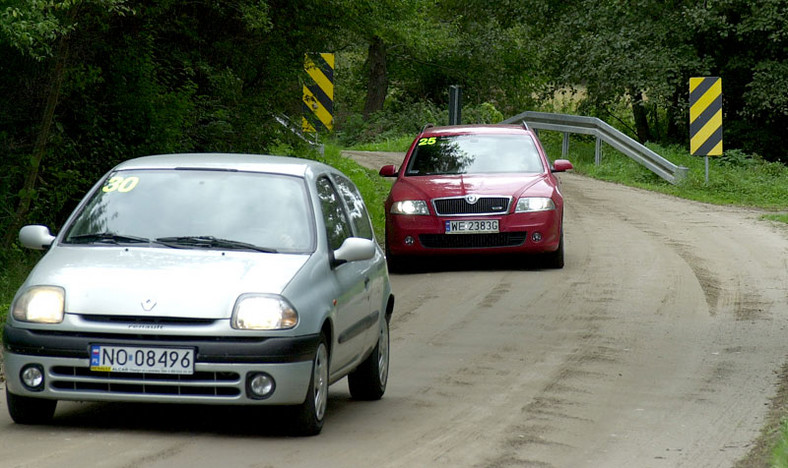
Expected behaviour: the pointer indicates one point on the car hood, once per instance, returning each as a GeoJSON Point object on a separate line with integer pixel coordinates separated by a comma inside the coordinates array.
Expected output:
{"type": "Point", "coordinates": [161, 282]}
{"type": "Point", "coordinates": [461, 185]}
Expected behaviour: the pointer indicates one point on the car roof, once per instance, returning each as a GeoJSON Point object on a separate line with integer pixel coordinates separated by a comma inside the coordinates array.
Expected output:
{"type": "Point", "coordinates": [228, 161]}
{"type": "Point", "coordinates": [489, 129]}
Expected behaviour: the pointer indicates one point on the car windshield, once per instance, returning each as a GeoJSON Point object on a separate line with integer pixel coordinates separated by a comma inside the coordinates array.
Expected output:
{"type": "Point", "coordinates": [192, 208]}
{"type": "Point", "coordinates": [474, 154]}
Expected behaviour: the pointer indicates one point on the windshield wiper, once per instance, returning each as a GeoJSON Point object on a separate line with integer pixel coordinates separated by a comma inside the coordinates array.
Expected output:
{"type": "Point", "coordinates": [107, 238]}
{"type": "Point", "coordinates": [210, 242]}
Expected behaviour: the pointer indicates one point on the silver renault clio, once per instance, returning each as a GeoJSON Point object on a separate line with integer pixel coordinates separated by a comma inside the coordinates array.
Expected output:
{"type": "Point", "coordinates": [204, 278]}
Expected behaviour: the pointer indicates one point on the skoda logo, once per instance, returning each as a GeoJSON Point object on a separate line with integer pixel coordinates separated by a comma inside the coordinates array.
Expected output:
{"type": "Point", "coordinates": [471, 199]}
{"type": "Point", "coordinates": [148, 305]}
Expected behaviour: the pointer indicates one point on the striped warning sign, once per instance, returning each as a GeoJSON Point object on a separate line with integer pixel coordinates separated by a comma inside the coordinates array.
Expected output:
{"type": "Point", "coordinates": [318, 106]}
{"type": "Point", "coordinates": [706, 116]}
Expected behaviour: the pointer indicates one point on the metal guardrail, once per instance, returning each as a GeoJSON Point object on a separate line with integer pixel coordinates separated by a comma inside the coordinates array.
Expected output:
{"type": "Point", "coordinates": [604, 132]}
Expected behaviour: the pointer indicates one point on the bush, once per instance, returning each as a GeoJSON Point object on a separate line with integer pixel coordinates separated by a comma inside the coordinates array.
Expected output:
{"type": "Point", "coordinates": [400, 119]}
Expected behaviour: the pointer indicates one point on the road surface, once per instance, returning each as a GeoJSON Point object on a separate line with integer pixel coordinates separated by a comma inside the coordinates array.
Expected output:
{"type": "Point", "coordinates": [660, 344]}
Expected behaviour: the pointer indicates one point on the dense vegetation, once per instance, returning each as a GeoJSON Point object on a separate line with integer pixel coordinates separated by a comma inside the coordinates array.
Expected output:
{"type": "Point", "coordinates": [88, 83]}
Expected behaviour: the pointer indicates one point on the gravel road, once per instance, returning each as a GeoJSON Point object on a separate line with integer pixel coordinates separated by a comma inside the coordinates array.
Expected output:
{"type": "Point", "coordinates": [660, 344]}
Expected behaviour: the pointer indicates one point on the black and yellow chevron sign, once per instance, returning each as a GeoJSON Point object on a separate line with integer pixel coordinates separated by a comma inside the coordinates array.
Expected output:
{"type": "Point", "coordinates": [706, 116]}
{"type": "Point", "coordinates": [318, 107]}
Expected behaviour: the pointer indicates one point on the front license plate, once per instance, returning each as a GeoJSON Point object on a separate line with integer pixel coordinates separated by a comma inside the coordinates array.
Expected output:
{"type": "Point", "coordinates": [139, 359]}
{"type": "Point", "coordinates": [475, 226]}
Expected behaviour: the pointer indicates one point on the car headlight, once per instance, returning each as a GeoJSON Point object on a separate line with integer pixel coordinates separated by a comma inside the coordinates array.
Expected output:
{"type": "Point", "coordinates": [410, 207]}
{"type": "Point", "coordinates": [40, 304]}
{"type": "Point", "coordinates": [530, 204]}
{"type": "Point", "coordinates": [263, 312]}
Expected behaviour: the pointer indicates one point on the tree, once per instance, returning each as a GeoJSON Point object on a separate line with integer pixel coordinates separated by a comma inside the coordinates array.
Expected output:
{"type": "Point", "coordinates": [40, 29]}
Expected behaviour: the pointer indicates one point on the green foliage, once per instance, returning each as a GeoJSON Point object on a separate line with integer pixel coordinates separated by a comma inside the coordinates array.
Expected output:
{"type": "Point", "coordinates": [402, 118]}
{"type": "Point", "coordinates": [734, 179]}
{"type": "Point", "coordinates": [374, 189]}
{"type": "Point", "coordinates": [400, 144]}
{"type": "Point", "coordinates": [33, 26]}
{"type": "Point", "coordinates": [779, 458]}
{"type": "Point", "coordinates": [168, 76]}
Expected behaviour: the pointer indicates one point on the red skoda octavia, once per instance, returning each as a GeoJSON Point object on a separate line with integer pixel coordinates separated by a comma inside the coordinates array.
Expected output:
{"type": "Point", "coordinates": [475, 189]}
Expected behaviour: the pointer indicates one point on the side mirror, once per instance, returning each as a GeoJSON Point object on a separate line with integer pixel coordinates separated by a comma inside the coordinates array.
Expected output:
{"type": "Point", "coordinates": [354, 249]}
{"type": "Point", "coordinates": [561, 165]}
{"type": "Point", "coordinates": [388, 170]}
{"type": "Point", "coordinates": [36, 237]}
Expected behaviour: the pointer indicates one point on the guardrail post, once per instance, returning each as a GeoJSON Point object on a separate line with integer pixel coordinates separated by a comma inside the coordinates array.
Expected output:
{"type": "Point", "coordinates": [565, 145]}
{"type": "Point", "coordinates": [598, 151]}
{"type": "Point", "coordinates": [455, 105]}
{"type": "Point", "coordinates": [680, 174]}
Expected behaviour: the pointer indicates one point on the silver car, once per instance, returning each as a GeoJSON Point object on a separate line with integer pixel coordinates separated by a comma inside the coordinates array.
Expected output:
{"type": "Point", "coordinates": [204, 278]}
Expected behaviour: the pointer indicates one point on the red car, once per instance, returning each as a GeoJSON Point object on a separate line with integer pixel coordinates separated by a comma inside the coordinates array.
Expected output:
{"type": "Point", "coordinates": [475, 189]}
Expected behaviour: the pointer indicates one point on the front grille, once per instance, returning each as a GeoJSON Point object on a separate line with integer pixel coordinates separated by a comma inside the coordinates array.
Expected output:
{"type": "Point", "coordinates": [460, 206]}
{"type": "Point", "coordinates": [136, 320]}
{"type": "Point", "coordinates": [469, 241]}
{"type": "Point", "coordinates": [82, 379]}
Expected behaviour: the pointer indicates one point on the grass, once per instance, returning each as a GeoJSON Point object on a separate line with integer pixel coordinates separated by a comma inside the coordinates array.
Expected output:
{"type": "Point", "coordinates": [373, 188]}
{"type": "Point", "coordinates": [399, 144]}
{"type": "Point", "coordinates": [734, 179]}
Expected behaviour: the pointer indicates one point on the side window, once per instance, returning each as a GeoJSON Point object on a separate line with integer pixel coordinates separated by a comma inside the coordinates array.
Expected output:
{"type": "Point", "coordinates": [356, 207]}
{"type": "Point", "coordinates": [337, 225]}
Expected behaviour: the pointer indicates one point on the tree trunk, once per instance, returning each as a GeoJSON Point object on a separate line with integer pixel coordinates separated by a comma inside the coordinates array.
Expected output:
{"type": "Point", "coordinates": [39, 149]}
{"type": "Point", "coordinates": [377, 78]}
{"type": "Point", "coordinates": [640, 114]}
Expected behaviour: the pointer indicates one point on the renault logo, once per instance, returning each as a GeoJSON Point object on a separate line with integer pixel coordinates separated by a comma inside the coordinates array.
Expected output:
{"type": "Point", "coordinates": [148, 305]}
{"type": "Point", "coordinates": [471, 199]}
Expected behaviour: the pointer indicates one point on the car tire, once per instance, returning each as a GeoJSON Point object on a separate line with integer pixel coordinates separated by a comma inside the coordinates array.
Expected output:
{"type": "Point", "coordinates": [308, 416]}
{"type": "Point", "coordinates": [555, 260]}
{"type": "Point", "coordinates": [26, 410]}
{"type": "Point", "coordinates": [368, 381]}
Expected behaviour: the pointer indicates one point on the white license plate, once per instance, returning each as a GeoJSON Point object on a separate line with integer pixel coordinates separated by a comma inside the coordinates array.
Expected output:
{"type": "Point", "coordinates": [139, 359]}
{"type": "Point", "coordinates": [474, 226]}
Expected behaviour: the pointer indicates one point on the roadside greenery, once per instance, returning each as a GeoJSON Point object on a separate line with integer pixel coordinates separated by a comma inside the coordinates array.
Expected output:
{"type": "Point", "coordinates": [734, 178]}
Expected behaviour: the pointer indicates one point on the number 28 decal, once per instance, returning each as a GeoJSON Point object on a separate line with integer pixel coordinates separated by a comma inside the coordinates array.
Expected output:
{"type": "Point", "coordinates": [121, 184]}
{"type": "Point", "coordinates": [426, 141]}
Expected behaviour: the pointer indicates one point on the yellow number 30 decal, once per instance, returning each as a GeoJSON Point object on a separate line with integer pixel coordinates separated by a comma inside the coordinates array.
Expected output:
{"type": "Point", "coordinates": [121, 184]}
{"type": "Point", "coordinates": [427, 141]}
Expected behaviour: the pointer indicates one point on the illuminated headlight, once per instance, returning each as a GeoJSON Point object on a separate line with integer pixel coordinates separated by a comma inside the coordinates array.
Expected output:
{"type": "Point", "coordinates": [529, 204]}
{"type": "Point", "coordinates": [40, 304]}
{"type": "Point", "coordinates": [410, 207]}
{"type": "Point", "coordinates": [263, 312]}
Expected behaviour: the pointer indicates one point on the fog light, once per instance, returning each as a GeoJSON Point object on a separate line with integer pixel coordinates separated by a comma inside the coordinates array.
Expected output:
{"type": "Point", "coordinates": [32, 377]}
{"type": "Point", "coordinates": [536, 237]}
{"type": "Point", "coordinates": [409, 240]}
{"type": "Point", "coordinates": [259, 385]}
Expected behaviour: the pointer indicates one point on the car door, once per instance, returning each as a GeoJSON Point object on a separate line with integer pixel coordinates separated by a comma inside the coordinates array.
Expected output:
{"type": "Point", "coordinates": [352, 309]}
{"type": "Point", "coordinates": [362, 227]}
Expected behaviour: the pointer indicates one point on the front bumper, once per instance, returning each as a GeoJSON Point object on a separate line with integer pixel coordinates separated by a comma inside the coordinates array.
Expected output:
{"type": "Point", "coordinates": [425, 235]}
{"type": "Point", "coordinates": [221, 369]}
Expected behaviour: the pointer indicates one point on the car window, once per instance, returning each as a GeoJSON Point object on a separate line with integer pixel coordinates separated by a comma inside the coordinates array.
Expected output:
{"type": "Point", "coordinates": [356, 207]}
{"type": "Point", "coordinates": [336, 221]}
{"type": "Point", "coordinates": [270, 211]}
{"type": "Point", "coordinates": [472, 154]}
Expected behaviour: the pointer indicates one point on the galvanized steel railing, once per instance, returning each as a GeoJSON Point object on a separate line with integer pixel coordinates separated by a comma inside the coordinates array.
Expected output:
{"type": "Point", "coordinates": [604, 132]}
